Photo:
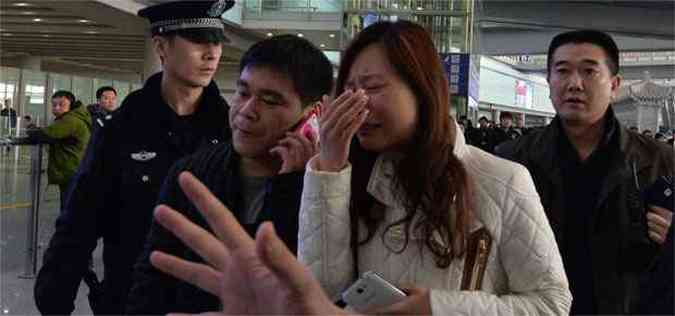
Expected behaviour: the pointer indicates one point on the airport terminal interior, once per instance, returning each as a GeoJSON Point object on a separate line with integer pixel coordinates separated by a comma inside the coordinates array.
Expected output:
{"type": "Point", "coordinates": [494, 54]}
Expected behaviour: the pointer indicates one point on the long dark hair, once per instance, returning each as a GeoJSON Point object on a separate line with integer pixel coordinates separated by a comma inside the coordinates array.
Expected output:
{"type": "Point", "coordinates": [434, 181]}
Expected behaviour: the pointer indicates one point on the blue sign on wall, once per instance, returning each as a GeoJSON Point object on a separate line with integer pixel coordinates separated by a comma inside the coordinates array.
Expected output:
{"type": "Point", "coordinates": [457, 70]}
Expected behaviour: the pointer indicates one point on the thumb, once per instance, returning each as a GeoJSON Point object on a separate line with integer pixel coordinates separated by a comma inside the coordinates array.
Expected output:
{"type": "Point", "coordinates": [276, 256]}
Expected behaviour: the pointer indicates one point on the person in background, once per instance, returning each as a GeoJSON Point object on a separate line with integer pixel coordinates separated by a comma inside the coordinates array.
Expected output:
{"type": "Point", "coordinates": [647, 133]}
{"type": "Point", "coordinates": [505, 131]}
{"type": "Point", "coordinates": [67, 137]}
{"type": "Point", "coordinates": [590, 172]}
{"type": "Point", "coordinates": [106, 103]}
{"type": "Point", "coordinates": [468, 128]}
{"type": "Point", "coordinates": [483, 136]}
{"type": "Point", "coordinates": [9, 112]}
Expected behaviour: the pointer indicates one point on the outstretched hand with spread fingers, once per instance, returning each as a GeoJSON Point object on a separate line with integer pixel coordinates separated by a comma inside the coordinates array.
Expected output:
{"type": "Point", "coordinates": [258, 276]}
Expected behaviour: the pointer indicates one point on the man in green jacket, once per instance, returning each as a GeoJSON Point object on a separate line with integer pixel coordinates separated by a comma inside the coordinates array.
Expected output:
{"type": "Point", "coordinates": [67, 137]}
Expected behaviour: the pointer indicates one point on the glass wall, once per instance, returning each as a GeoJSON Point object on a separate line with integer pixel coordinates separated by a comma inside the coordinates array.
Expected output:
{"type": "Point", "coordinates": [83, 89]}
{"type": "Point", "coordinates": [136, 86]}
{"type": "Point", "coordinates": [9, 83]}
{"type": "Point", "coordinates": [34, 84]}
{"type": "Point", "coordinates": [60, 82]}
{"type": "Point", "coordinates": [449, 22]}
{"type": "Point", "coordinates": [260, 7]}
{"type": "Point", "coordinates": [28, 92]}
{"type": "Point", "coordinates": [122, 89]}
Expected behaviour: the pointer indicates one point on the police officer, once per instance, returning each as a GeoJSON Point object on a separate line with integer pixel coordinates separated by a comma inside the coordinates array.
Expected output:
{"type": "Point", "coordinates": [176, 112]}
{"type": "Point", "coordinates": [106, 101]}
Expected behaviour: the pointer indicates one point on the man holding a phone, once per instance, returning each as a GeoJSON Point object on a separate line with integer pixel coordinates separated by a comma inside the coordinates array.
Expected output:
{"type": "Point", "coordinates": [590, 173]}
{"type": "Point", "coordinates": [259, 175]}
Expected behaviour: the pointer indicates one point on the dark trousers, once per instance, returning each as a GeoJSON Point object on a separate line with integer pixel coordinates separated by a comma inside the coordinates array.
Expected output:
{"type": "Point", "coordinates": [63, 195]}
{"type": "Point", "coordinates": [90, 278]}
{"type": "Point", "coordinates": [63, 191]}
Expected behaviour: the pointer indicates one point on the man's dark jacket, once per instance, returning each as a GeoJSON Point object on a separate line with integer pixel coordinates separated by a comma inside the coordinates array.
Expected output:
{"type": "Point", "coordinates": [114, 194]}
{"type": "Point", "coordinates": [155, 293]}
{"type": "Point", "coordinates": [620, 248]}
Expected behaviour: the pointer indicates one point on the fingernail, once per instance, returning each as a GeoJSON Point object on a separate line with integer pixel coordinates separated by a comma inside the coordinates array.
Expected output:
{"type": "Point", "coordinates": [159, 216]}
{"type": "Point", "coordinates": [271, 246]}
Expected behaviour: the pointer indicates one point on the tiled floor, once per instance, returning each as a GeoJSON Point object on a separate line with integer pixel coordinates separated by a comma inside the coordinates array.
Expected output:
{"type": "Point", "coordinates": [16, 293]}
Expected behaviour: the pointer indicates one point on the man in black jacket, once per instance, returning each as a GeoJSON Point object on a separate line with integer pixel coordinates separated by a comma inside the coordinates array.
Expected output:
{"type": "Point", "coordinates": [106, 102]}
{"type": "Point", "coordinates": [505, 131]}
{"type": "Point", "coordinates": [590, 173]}
{"type": "Point", "coordinates": [117, 184]}
{"type": "Point", "coordinates": [259, 176]}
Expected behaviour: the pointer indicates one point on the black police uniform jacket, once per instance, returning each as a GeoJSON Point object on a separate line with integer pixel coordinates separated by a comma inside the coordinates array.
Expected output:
{"type": "Point", "coordinates": [99, 116]}
{"type": "Point", "coordinates": [156, 293]}
{"type": "Point", "coordinates": [115, 191]}
{"type": "Point", "coordinates": [620, 248]}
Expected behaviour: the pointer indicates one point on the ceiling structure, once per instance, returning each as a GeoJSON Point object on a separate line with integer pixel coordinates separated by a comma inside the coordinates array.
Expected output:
{"type": "Point", "coordinates": [526, 27]}
{"type": "Point", "coordinates": [84, 34]}
{"type": "Point", "coordinates": [107, 36]}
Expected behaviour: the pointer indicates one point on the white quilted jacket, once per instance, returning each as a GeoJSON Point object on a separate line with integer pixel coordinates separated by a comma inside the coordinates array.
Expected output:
{"type": "Point", "coordinates": [524, 274]}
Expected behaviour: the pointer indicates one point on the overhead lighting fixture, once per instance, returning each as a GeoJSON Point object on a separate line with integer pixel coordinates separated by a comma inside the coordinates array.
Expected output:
{"type": "Point", "coordinates": [90, 32]}
{"type": "Point", "coordinates": [270, 34]}
{"type": "Point", "coordinates": [331, 35]}
{"type": "Point", "coordinates": [301, 35]}
{"type": "Point", "coordinates": [46, 35]}
{"type": "Point", "coordinates": [83, 21]}
{"type": "Point", "coordinates": [21, 4]}
{"type": "Point", "coordinates": [37, 20]}
{"type": "Point", "coordinates": [322, 45]}
{"type": "Point", "coordinates": [420, 8]}
{"type": "Point", "coordinates": [27, 12]}
{"type": "Point", "coordinates": [7, 34]}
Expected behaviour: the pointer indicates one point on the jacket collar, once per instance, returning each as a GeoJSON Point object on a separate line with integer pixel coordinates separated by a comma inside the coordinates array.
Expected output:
{"type": "Point", "coordinates": [545, 154]}
{"type": "Point", "coordinates": [381, 185]}
{"type": "Point", "coordinates": [545, 147]}
{"type": "Point", "coordinates": [211, 111]}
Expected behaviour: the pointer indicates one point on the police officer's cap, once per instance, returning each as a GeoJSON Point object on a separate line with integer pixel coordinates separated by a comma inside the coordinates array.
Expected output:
{"type": "Point", "coordinates": [197, 20]}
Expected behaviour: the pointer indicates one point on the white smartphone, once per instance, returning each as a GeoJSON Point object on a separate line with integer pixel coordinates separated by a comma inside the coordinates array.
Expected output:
{"type": "Point", "coordinates": [371, 291]}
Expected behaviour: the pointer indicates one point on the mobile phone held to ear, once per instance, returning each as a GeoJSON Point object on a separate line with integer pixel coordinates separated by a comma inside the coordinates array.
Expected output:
{"type": "Point", "coordinates": [371, 291]}
{"type": "Point", "coordinates": [310, 123]}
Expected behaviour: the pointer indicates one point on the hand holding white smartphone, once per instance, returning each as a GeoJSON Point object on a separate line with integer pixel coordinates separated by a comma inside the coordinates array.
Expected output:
{"type": "Point", "coordinates": [371, 291]}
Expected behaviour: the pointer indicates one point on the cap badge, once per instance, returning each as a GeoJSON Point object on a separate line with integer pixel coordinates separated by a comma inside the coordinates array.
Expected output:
{"type": "Point", "coordinates": [217, 9]}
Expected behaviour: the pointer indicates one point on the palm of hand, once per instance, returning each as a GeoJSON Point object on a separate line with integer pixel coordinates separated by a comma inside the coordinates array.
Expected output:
{"type": "Point", "coordinates": [250, 288]}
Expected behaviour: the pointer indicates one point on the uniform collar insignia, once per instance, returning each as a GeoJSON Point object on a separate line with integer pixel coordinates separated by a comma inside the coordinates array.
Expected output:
{"type": "Point", "coordinates": [143, 155]}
